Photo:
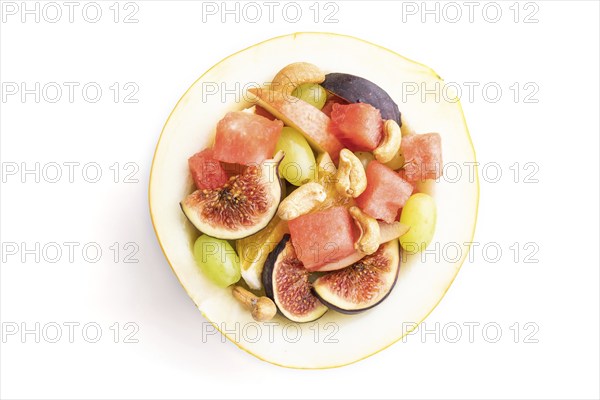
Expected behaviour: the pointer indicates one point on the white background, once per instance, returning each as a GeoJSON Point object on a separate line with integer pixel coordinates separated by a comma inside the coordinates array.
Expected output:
{"type": "Point", "coordinates": [163, 54]}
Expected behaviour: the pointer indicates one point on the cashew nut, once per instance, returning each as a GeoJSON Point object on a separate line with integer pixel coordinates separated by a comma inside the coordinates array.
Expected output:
{"type": "Point", "coordinates": [301, 201]}
{"type": "Point", "coordinates": [351, 175]}
{"type": "Point", "coordinates": [262, 308]}
{"type": "Point", "coordinates": [390, 145]}
{"type": "Point", "coordinates": [293, 75]}
{"type": "Point", "coordinates": [370, 235]}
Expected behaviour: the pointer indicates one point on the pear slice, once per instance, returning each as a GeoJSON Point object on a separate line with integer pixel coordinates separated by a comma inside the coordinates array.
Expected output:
{"type": "Point", "coordinates": [253, 250]}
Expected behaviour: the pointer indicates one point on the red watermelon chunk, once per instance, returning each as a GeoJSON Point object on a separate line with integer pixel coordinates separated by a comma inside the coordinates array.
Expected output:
{"type": "Point", "coordinates": [207, 172]}
{"type": "Point", "coordinates": [386, 193]}
{"type": "Point", "coordinates": [402, 174]}
{"type": "Point", "coordinates": [423, 156]}
{"type": "Point", "coordinates": [244, 138]}
{"type": "Point", "coordinates": [359, 125]}
{"type": "Point", "coordinates": [323, 237]}
{"type": "Point", "coordinates": [331, 100]}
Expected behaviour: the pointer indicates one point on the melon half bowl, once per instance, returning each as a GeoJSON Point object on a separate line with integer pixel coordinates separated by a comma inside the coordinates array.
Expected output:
{"type": "Point", "coordinates": [335, 339]}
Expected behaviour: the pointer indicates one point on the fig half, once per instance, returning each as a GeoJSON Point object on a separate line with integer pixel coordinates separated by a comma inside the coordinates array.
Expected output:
{"type": "Point", "coordinates": [355, 89]}
{"type": "Point", "coordinates": [364, 284]}
{"type": "Point", "coordinates": [286, 282]}
{"type": "Point", "coordinates": [241, 207]}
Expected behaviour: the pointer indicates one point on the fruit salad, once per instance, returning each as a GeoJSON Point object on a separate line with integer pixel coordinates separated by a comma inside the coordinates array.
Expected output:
{"type": "Point", "coordinates": [306, 200]}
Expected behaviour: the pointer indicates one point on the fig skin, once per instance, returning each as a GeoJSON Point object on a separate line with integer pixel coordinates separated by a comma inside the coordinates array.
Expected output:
{"type": "Point", "coordinates": [355, 89]}
{"type": "Point", "coordinates": [267, 273]}
{"type": "Point", "coordinates": [268, 277]}
{"type": "Point", "coordinates": [393, 263]}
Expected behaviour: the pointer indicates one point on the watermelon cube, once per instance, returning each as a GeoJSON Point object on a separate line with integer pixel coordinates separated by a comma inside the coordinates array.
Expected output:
{"type": "Point", "coordinates": [245, 138]}
{"type": "Point", "coordinates": [423, 156]}
{"type": "Point", "coordinates": [402, 174]}
{"type": "Point", "coordinates": [359, 125]}
{"type": "Point", "coordinates": [323, 237]}
{"type": "Point", "coordinates": [331, 100]}
{"type": "Point", "coordinates": [386, 193]}
{"type": "Point", "coordinates": [207, 172]}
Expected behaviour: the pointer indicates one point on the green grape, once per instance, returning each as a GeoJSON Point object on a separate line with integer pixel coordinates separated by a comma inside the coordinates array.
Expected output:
{"type": "Point", "coordinates": [365, 157]}
{"type": "Point", "coordinates": [298, 166]}
{"type": "Point", "coordinates": [217, 260]}
{"type": "Point", "coordinates": [311, 93]}
{"type": "Point", "coordinates": [419, 213]}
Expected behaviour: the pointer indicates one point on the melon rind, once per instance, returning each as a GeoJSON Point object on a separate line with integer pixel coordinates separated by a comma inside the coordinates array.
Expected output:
{"type": "Point", "coordinates": [421, 284]}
